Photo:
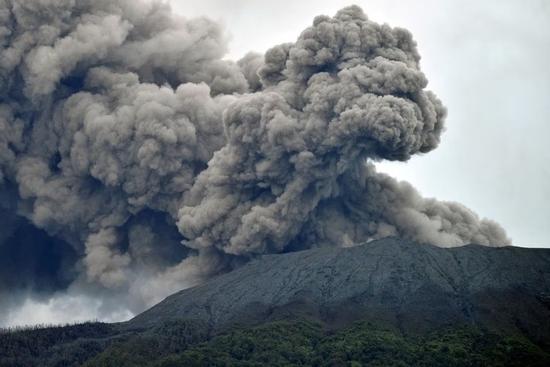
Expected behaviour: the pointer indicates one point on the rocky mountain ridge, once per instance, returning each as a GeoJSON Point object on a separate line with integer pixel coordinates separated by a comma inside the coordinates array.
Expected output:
{"type": "Point", "coordinates": [390, 281]}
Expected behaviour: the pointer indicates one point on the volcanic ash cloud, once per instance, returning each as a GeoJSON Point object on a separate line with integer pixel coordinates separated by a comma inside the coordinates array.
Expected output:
{"type": "Point", "coordinates": [135, 160]}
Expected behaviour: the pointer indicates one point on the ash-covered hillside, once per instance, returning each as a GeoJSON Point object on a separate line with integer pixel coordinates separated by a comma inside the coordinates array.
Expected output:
{"type": "Point", "coordinates": [398, 282]}
{"type": "Point", "coordinates": [387, 302]}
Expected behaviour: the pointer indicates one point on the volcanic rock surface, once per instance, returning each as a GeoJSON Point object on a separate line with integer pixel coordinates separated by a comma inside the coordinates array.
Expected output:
{"type": "Point", "coordinates": [398, 283]}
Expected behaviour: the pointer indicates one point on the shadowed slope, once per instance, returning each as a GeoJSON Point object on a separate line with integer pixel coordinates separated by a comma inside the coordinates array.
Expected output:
{"type": "Point", "coordinates": [390, 281]}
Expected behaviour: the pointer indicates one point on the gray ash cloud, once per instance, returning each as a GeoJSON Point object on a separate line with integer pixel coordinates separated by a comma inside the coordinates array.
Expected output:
{"type": "Point", "coordinates": [135, 160]}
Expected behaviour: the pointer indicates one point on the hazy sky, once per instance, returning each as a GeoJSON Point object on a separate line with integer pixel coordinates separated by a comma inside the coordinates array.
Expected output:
{"type": "Point", "coordinates": [489, 63]}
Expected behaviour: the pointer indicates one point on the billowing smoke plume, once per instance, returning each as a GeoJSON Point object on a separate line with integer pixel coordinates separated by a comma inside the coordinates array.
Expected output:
{"type": "Point", "coordinates": [135, 160]}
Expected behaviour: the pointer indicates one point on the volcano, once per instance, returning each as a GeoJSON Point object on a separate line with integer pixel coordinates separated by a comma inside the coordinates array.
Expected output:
{"type": "Point", "coordinates": [494, 301]}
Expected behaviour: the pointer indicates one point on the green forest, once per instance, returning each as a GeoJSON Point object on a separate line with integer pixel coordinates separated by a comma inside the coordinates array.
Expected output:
{"type": "Point", "coordinates": [278, 343]}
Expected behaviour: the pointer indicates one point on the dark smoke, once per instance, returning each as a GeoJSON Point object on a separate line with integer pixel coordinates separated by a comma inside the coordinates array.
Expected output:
{"type": "Point", "coordinates": [135, 160]}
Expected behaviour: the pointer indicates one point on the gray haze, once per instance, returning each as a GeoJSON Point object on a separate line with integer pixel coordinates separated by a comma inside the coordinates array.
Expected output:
{"type": "Point", "coordinates": [135, 160]}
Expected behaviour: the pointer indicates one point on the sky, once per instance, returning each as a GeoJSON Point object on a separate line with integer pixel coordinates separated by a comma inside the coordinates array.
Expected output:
{"type": "Point", "coordinates": [487, 61]}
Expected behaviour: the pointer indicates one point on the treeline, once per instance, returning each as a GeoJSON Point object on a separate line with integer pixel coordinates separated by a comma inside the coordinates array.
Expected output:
{"type": "Point", "coordinates": [307, 344]}
{"type": "Point", "coordinates": [75, 344]}
{"type": "Point", "coordinates": [35, 327]}
{"type": "Point", "coordinates": [65, 345]}
{"type": "Point", "coordinates": [279, 343]}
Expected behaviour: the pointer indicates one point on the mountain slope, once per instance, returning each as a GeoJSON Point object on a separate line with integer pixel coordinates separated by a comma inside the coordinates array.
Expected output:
{"type": "Point", "coordinates": [387, 302]}
{"type": "Point", "coordinates": [404, 284]}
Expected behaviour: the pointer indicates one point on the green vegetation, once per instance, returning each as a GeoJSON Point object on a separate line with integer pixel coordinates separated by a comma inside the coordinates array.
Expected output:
{"type": "Point", "coordinates": [145, 348]}
{"type": "Point", "coordinates": [56, 346]}
{"type": "Point", "coordinates": [280, 343]}
{"type": "Point", "coordinates": [305, 344]}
